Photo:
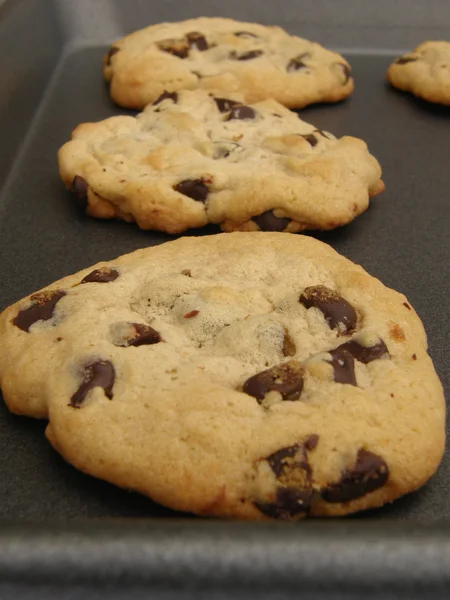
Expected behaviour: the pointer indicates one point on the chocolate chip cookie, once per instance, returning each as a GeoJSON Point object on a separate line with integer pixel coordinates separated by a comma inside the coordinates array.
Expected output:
{"type": "Point", "coordinates": [252, 375]}
{"type": "Point", "coordinates": [425, 72]}
{"type": "Point", "coordinates": [225, 56]}
{"type": "Point", "coordinates": [194, 158]}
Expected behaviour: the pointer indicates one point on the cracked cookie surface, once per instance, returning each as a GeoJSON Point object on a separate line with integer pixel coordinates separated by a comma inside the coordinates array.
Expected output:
{"type": "Point", "coordinates": [425, 72]}
{"type": "Point", "coordinates": [193, 158]}
{"type": "Point", "coordinates": [224, 55]}
{"type": "Point", "coordinates": [254, 375]}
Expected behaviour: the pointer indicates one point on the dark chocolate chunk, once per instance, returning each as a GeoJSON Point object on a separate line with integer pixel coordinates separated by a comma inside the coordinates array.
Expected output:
{"type": "Point", "coordinates": [311, 139]}
{"type": "Point", "coordinates": [287, 379]}
{"type": "Point", "coordinates": [113, 50]}
{"type": "Point", "coordinates": [248, 55]}
{"type": "Point", "coordinates": [293, 457]}
{"type": "Point", "coordinates": [297, 64]}
{"type": "Point", "coordinates": [369, 473]}
{"type": "Point", "coordinates": [343, 365]}
{"type": "Point", "coordinates": [41, 309]}
{"type": "Point", "coordinates": [166, 96]}
{"type": "Point", "coordinates": [337, 311]}
{"type": "Point", "coordinates": [80, 189]}
{"type": "Point", "coordinates": [346, 71]}
{"type": "Point", "coordinates": [364, 354]}
{"type": "Point", "coordinates": [99, 373]}
{"type": "Point", "coordinates": [289, 348]}
{"type": "Point", "coordinates": [176, 47]}
{"type": "Point", "coordinates": [289, 502]}
{"type": "Point", "coordinates": [144, 335]}
{"type": "Point", "coordinates": [225, 105]}
{"type": "Point", "coordinates": [241, 112]}
{"type": "Point", "coordinates": [101, 275]}
{"type": "Point", "coordinates": [193, 188]}
{"type": "Point", "coordinates": [406, 59]}
{"type": "Point", "coordinates": [267, 221]}
{"type": "Point", "coordinates": [245, 34]}
{"type": "Point", "coordinates": [197, 40]}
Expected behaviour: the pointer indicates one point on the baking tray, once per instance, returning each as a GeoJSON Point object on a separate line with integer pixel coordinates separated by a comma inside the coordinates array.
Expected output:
{"type": "Point", "coordinates": [66, 535]}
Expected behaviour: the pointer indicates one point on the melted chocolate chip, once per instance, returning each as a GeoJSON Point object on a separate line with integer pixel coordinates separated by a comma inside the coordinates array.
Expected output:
{"type": "Point", "coordinates": [343, 365]}
{"type": "Point", "coordinates": [225, 105]}
{"type": "Point", "coordinates": [287, 379]}
{"type": "Point", "coordinates": [267, 221]}
{"type": "Point", "coordinates": [99, 373]}
{"type": "Point", "coordinates": [289, 502]}
{"type": "Point", "coordinates": [337, 311]}
{"type": "Point", "coordinates": [248, 55]}
{"type": "Point", "coordinates": [113, 50]}
{"type": "Point", "coordinates": [197, 40]}
{"type": "Point", "coordinates": [166, 96]}
{"type": "Point", "coordinates": [403, 60]}
{"type": "Point", "coordinates": [346, 70]}
{"type": "Point", "coordinates": [364, 354]}
{"type": "Point", "coordinates": [296, 64]}
{"type": "Point", "coordinates": [80, 189]}
{"type": "Point", "coordinates": [101, 275]}
{"type": "Point", "coordinates": [369, 473]}
{"type": "Point", "coordinates": [193, 188]}
{"type": "Point", "coordinates": [241, 112]}
{"type": "Point", "coordinates": [245, 34]}
{"type": "Point", "coordinates": [311, 139]}
{"type": "Point", "coordinates": [41, 309]}
{"type": "Point", "coordinates": [291, 468]}
{"type": "Point", "coordinates": [144, 335]}
{"type": "Point", "coordinates": [289, 348]}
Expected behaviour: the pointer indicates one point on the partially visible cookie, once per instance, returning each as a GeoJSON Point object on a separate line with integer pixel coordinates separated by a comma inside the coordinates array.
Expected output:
{"type": "Point", "coordinates": [425, 72]}
{"type": "Point", "coordinates": [247, 375]}
{"type": "Point", "coordinates": [194, 158]}
{"type": "Point", "coordinates": [226, 56]}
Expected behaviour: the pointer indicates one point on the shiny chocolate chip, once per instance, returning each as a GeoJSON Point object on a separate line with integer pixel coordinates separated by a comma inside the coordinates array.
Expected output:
{"type": "Point", "coordinates": [345, 70]}
{"type": "Point", "coordinates": [343, 365]}
{"type": "Point", "coordinates": [297, 64]}
{"type": "Point", "coordinates": [364, 354]}
{"type": "Point", "coordinates": [403, 60]}
{"type": "Point", "coordinates": [197, 40]}
{"type": "Point", "coordinates": [287, 379]}
{"type": "Point", "coordinates": [338, 313]}
{"type": "Point", "coordinates": [245, 34]}
{"type": "Point", "coordinates": [101, 275]}
{"type": "Point", "coordinates": [193, 188]}
{"type": "Point", "coordinates": [369, 473]}
{"type": "Point", "coordinates": [113, 50]}
{"type": "Point", "coordinates": [248, 55]}
{"type": "Point", "coordinates": [143, 335]}
{"type": "Point", "coordinates": [289, 348]}
{"type": "Point", "coordinates": [41, 309]}
{"type": "Point", "coordinates": [289, 503]}
{"type": "Point", "coordinates": [267, 221]}
{"type": "Point", "coordinates": [98, 373]}
{"type": "Point", "coordinates": [311, 139]}
{"type": "Point", "coordinates": [80, 192]}
{"type": "Point", "coordinates": [241, 112]}
{"type": "Point", "coordinates": [225, 105]}
{"type": "Point", "coordinates": [166, 96]}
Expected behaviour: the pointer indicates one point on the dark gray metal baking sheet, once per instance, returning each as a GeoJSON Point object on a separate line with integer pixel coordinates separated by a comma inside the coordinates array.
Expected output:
{"type": "Point", "coordinates": [50, 79]}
